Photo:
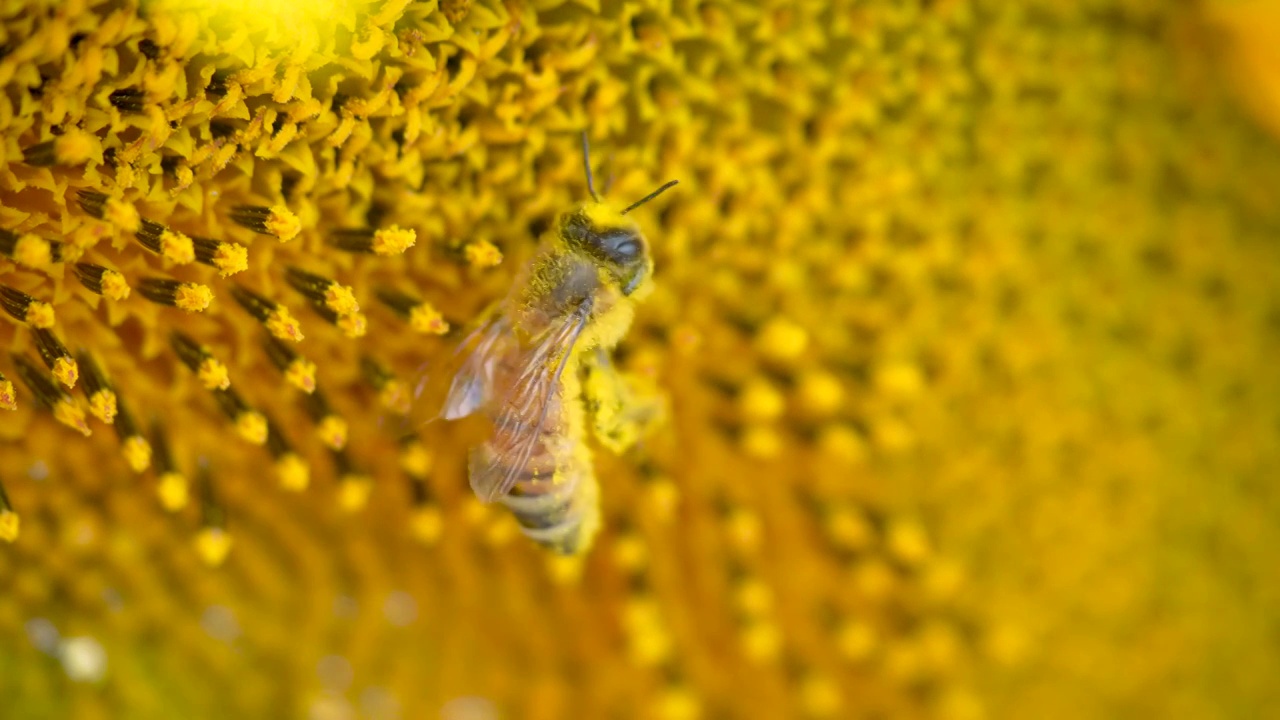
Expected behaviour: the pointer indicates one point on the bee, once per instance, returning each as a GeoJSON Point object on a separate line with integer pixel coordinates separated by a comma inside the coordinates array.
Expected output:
{"type": "Point", "coordinates": [541, 358]}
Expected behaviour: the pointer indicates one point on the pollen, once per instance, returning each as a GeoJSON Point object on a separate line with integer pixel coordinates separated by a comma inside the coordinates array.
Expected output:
{"type": "Point", "coordinates": [941, 282]}
{"type": "Point", "coordinates": [40, 315]}
{"type": "Point", "coordinates": [276, 220]}
{"type": "Point", "coordinates": [9, 525]}
{"type": "Point", "coordinates": [332, 431]}
{"type": "Point", "coordinates": [172, 491]}
{"type": "Point", "coordinates": [426, 319]}
{"type": "Point", "coordinates": [213, 374]}
{"type": "Point", "coordinates": [8, 397]}
{"type": "Point", "coordinates": [33, 251]}
{"type": "Point", "coordinates": [782, 341]}
{"type": "Point", "coordinates": [137, 453]}
{"type": "Point", "coordinates": [68, 413]}
{"type": "Point", "coordinates": [282, 325]}
{"type": "Point", "coordinates": [393, 240]}
{"type": "Point", "coordinates": [251, 426]}
{"type": "Point", "coordinates": [482, 254]}
{"type": "Point", "coordinates": [301, 373]}
{"type": "Point", "coordinates": [293, 472]}
{"type": "Point", "coordinates": [213, 544]}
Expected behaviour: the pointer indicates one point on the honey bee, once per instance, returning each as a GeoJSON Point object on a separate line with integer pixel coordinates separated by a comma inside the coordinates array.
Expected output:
{"type": "Point", "coordinates": [540, 363]}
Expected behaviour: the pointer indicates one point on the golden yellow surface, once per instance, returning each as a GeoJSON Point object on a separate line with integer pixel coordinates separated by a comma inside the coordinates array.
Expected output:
{"type": "Point", "coordinates": [966, 317]}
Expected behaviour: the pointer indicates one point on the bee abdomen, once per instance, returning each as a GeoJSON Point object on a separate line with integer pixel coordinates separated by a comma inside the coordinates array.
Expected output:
{"type": "Point", "coordinates": [560, 514]}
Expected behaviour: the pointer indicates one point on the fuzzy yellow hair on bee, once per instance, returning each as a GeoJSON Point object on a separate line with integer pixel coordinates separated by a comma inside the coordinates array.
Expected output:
{"type": "Point", "coordinates": [569, 306]}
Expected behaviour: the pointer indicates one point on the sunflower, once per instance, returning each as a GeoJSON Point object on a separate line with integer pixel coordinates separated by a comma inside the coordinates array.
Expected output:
{"type": "Point", "coordinates": [965, 316]}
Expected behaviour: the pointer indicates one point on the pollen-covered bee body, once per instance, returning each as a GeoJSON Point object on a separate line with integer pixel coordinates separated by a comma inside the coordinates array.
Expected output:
{"type": "Point", "coordinates": [574, 299]}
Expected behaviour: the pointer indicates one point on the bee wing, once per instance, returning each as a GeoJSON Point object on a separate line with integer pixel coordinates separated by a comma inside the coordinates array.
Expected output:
{"type": "Point", "coordinates": [497, 466]}
{"type": "Point", "coordinates": [472, 384]}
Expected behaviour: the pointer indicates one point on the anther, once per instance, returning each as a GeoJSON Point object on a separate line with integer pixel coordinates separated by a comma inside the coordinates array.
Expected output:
{"type": "Point", "coordinates": [56, 357]}
{"type": "Point", "coordinates": [71, 148]}
{"type": "Point", "coordinates": [276, 220]}
{"type": "Point", "coordinates": [291, 469]}
{"type": "Point", "coordinates": [170, 244]}
{"type": "Point", "coordinates": [298, 371]}
{"type": "Point", "coordinates": [30, 250]}
{"type": "Point", "coordinates": [98, 391]}
{"type": "Point", "coordinates": [229, 258]}
{"type": "Point", "coordinates": [340, 299]}
{"type": "Point", "coordinates": [136, 449]}
{"type": "Point", "coordinates": [212, 373]}
{"type": "Point", "coordinates": [8, 396]}
{"type": "Point", "coordinates": [113, 210]}
{"type": "Point", "coordinates": [250, 424]}
{"type": "Point", "coordinates": [393, 240]}
{"type": "Point", "coordinates": [172, 486]}
{"type": "Point", "coordinates": [331, 429]}
{"type": "Point", "coordinates": [9, 524]}
{"type": "Point", "coordinates": [353, 325]}
{"type": "Point", "coordinates": [55, 399]}
{"type": "Point", "coordinates": [420, 315]}
{"type": "Point", "coordinates": [213, 542]}
{"type": "Point", "coordinates": [102, 281]}
{"type": "Point", "coordinates": [273, 315]}
{"type": "Point", "coordinates": [188, 296]}
{"type": "Point", "coordinates": [25, 308]}
{"type": "Point", "coordinates": [128, 100]}
{"type": "Point", "coordinates": [393, 394]}
{"type": "Point", "coordinates": [354, 485]}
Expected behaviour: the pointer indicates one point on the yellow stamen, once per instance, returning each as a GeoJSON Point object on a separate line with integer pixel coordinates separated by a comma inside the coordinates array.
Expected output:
{"type": "Point", "coordinates": [393, 240]}
{"type": "Point", "coordinates": [252, 426]}
{"type": "Point", "coordinates": [426, 319]}
{"type": "Point", "coordinates": [33, 251]}
{"type": "Point", "coordinates": [341, 299]}
{"type": "Point", "coordinates": [293, 472]}
{"type": "Point", "coordinates": [137, 453]}
{"type": "Point", "coordinates": [114, 286]}
{"type": "Point", "coordinates": [282, 223]}
{"type": "Point", "coordinates": [231, 258]}
{"type": "Point", "coordinates": [282, 325]}
{"type": "Point", "coordinates": [782, 341]}
{"type": "Point", "coordinates": [73, 148]}
{"type": "Point", "coordinates": [193, 297]}
{"type": "Point", "coordinates": [415, 459]}
{"type": "Point", "coordinates": [565, 569]}
{"type": "Point", "coordinates": [353, 492]}
{"type": "Point", "coordinates": [426, 524]}
{"type": "Point", "coordinates": [66, 371]}
{"type": "Point", "coordinates": [68, 413]}
{"type": "Point", "coordinates": [176, 247]}
{"type": "Point", "coordinates": [301, 374]}
{"type": "Point", "coordinates": [213, 544]}
{"type": "Point", "coordinates": [213, 374]}
{"type": "Point", "coordinates": [332, 431]}
{"type": "Point", "coordinates": [354, 325]}
{"type": "Point", "coordinates": [40, 315]}
{"type": "Point", "coordinates": [121, 214]}
{"type": "Point", "coordinates": [482, 254]}
{"type": "Point", "coordinates": [172, 491]}
{"type": "Point", "coordinates": [395, 397]}
{"type": "Point", "coordinates": [8, 396]}
{"type": "Point", "coordinates": [9, 525]}
{"type": "Point", "coordinates": [102, 405]}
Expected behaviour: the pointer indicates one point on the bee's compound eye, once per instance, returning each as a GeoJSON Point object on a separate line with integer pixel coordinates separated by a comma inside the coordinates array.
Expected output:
{"type": "Point", "coordinates": [621, 246]}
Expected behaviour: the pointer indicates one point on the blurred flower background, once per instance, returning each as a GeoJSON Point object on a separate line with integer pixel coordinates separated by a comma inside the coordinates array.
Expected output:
{"type": "Point", "coordinates": [967, 316]}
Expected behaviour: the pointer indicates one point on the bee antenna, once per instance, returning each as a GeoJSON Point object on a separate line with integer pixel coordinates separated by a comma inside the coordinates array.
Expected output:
{"type": "Point", "coordinates": [586, 163]}
{"type": "Point", "coordinates": [665, 187]}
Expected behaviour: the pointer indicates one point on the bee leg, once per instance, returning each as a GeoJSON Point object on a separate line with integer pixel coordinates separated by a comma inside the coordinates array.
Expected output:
{"type": "Point", "coordinates": [619, 412]}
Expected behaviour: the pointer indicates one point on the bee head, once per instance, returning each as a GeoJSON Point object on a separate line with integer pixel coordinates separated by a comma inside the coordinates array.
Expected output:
{"type": "Point", "coordinates": [607, 236]}
{"type": "Point", "coordinates": [609, 239]}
